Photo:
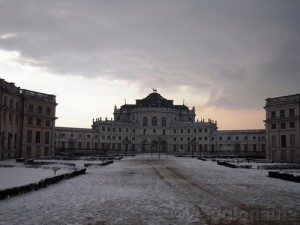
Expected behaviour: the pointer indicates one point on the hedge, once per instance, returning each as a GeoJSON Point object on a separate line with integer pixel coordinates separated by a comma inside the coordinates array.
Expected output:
{"type": "Point", "coordinates": [9, 192]}
{"type": "Point", "coordinates": [284, 176]}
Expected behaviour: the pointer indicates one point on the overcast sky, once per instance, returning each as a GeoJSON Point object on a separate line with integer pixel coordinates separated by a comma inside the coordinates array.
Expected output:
{"type": "Point", "coordinates": [223, 57]}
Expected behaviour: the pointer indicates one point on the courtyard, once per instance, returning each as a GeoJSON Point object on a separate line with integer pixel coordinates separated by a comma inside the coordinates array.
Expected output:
{"type": "Point", "coordinates": [165, 190]}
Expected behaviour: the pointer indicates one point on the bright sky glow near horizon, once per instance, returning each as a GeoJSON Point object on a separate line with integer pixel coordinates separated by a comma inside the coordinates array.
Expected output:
{"type": "Point", "coordinates": [223, 57]}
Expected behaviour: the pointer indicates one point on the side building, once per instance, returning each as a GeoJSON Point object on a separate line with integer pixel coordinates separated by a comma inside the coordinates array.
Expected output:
{"type": "Point", "coordinates": [155, 124]}
{"type": "Point", "coordinates": [283, 128]}
{"type": "Point", "coordinates": [27, 122]}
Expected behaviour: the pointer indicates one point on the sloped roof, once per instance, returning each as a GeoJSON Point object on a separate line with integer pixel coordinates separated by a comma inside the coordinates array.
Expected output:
{"type": "Point", "coordinates": [154, 100]}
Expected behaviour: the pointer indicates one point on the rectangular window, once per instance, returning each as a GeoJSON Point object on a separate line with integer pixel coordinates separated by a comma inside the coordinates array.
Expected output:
{"type": "Point", "coordinates": [293, 156]}
{"type": "Point", "coordinates": [220, 138]}
{"type": "Point", "coordinates": [274, 154]}
{"type": "Point", "coordinates": [40, 109]}
{"type": "Point", "coordinates": [254, 147]}
{"type": "Point", "coordinates": [273, 141]}
{"type": "Point", "coordinates": [30, 108]}
{"type": "Point", "coordinates": [46, 151]}
{"type": "Point", "coordinates": [4, 116]}
{"type": "Point", "coordinates": [292, 125]}
{"type": "Point", "coordinates": [292, 112]}
{"type": "Point", "coordinates": [47, 123]}
{"type": "Point", "coordinates": [273, 114]}
{"type": "Point", "coordinates": [282, 113]}
{"type": "Point", "coordinates": [174, 131]}
{"type": "Point", "coordinates": [205, 130]}
{"type": "Point", "coordinates": [212, 148]}
{"type": "Point", "coordinates": [38, 122]}
{"type": "Point", "coordinates": [283, 141]}
{"type": "Point", "coordinates": [273, 126]}
{"type": "Point", "coordinates": [200, 147]}
{"type": "Point", "coordinates": [200, 130]}
{"type": "Point", "coordinates": [28, 151]}
{"type": "Point", "coordinates": [37, 137]}
{"type": "Point", "coordinates": [30, 121]}
{"type": "Point", "coordinates": [47, 138]}
{"type": "Point", "coordinates": [245, 147]}
{"type": "Point", "coordinates": [282, 126]}
{"type": "Point", "coordinates": [283, 155]}
{"type": "Point", "coordinates": [292, 140]}
{"type": "Point", "coordinates": [48, 111]}
{"type": "Point", "coordinates": [29, 136]}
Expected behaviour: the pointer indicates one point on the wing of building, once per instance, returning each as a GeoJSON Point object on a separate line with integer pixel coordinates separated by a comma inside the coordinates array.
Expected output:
{"type": "Point", "coordinates": [283, 128]}
{"type": "Point", "coordinates": [27, 122]}
{"type": "Point", "coordinates": [156, 124]}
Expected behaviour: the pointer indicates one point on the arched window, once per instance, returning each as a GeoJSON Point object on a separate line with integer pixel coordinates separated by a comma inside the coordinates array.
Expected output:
{"type": "Point", "coordinates": [154, 121]}
{"type": "Point", "coordinates": [145, 121]}
{"type": "Point", "coordinates": [163, 122]}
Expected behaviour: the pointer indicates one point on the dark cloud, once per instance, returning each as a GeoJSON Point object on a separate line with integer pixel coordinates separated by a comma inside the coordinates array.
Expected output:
{"type": "Point", "coordinates": [241, 51]}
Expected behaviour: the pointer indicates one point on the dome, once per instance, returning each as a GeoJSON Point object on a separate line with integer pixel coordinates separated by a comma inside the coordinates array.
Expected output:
{"type": "Point", "coordinates": [154, 100]}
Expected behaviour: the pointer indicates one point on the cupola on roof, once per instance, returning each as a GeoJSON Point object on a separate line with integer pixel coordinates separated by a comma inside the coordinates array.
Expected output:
{"type": "Point", "coordinates": [154, 100]}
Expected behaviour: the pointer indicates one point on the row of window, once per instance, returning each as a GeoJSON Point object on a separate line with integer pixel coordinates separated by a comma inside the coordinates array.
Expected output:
{"type": "Point", "coordinates": [283, 125]}
{"type": "Point", "coordinates": [8, 140]}
{"type": "Point", "coordinates": [118, 146]}
{"type": "Point", "coordinates": [10, 116]}
{"type": "Point", "coordinates": [282, 113]}
{"type": "Point", "coordinates": [73, 135]}
{"type": "Point", "coordinates": [37, 139]}
{"type": "Point", "coordinates": [39, 109]}
{"type": "Point", "coordinates": [11, 103]}
{"type": "Point", "coordinates": [245, 138]}
{"type": "Point", "coordinates": [38, 151]}
{"type": "Point", "coordinates": [154, 121]}
{"type": "Point", "coordinates": [182, 131]}
{"type": "Point", "coordinates": [285, 141]}
{"type": "Point", "coordinates": [39, 122]}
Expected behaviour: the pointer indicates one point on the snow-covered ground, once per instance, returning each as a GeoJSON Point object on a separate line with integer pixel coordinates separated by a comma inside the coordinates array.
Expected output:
{"type": "Point", "coordinates": [18, 176]}
{"type": "Point", "coordinates": [144, 190]}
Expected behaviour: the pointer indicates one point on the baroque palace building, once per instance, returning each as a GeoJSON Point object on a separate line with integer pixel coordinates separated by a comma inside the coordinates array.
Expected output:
{"type": "Point", "coordinates": [156, 124]}
{"type": "Point", "coordinates": [27, 122]}
{"type": "Point", "coordinates": [283, 128]}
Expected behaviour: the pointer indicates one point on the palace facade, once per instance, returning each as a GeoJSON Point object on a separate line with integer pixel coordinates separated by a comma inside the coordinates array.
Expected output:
{"type": "Point", "coordinates": [27, 122]}
{"type": "Point", "coordinates": [156, 124]}
{"type": "Point", "coordinates": [283, 128]}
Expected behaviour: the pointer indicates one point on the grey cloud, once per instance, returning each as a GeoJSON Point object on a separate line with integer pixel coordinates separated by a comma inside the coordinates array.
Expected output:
{"type": "Point", "coordinates": [237, 49]}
